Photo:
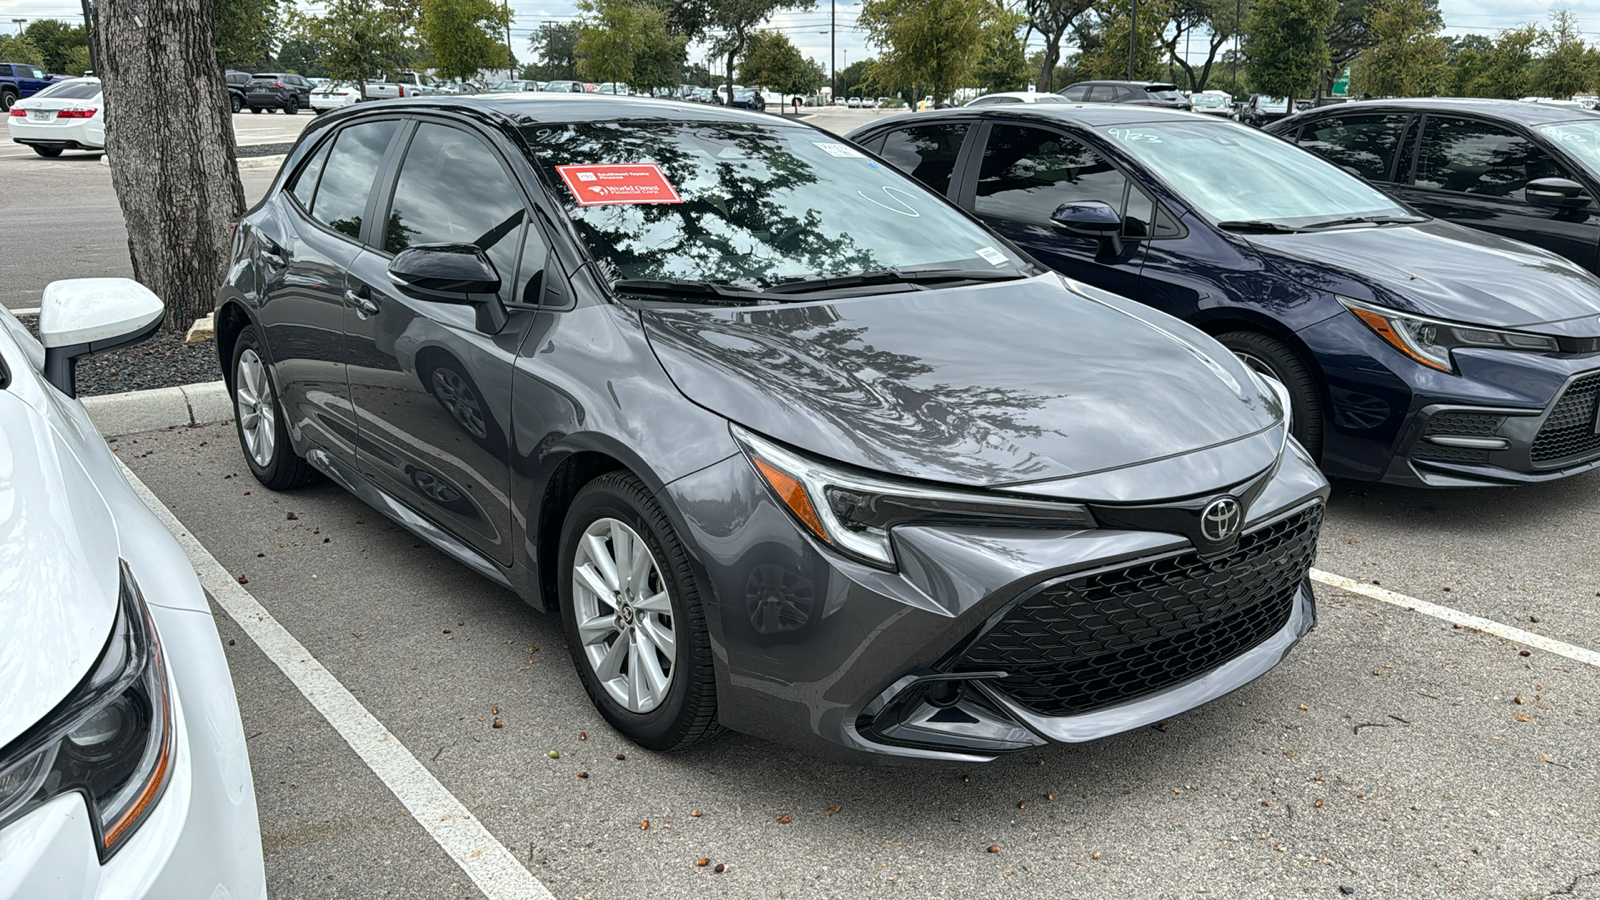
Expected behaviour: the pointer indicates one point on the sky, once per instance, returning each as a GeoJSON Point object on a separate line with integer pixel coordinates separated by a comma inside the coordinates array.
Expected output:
{"type": "Point", "coordinates": [810, 30]}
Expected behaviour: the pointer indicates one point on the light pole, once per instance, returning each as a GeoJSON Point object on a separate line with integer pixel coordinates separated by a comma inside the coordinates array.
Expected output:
{"type": "Point", "coordinates": [19, 23]}
{"type": "Point", "coordinates": [1238, 26]}
{"type": "Point", "coordinates": [833, 54]}
{"type": "Point", "coordinates": [1133, 32]}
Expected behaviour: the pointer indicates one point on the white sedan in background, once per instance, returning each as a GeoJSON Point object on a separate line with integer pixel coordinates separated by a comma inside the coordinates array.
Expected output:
{"type": "Point", "coordinates": [123, 770]}
{"type": "Point", "coordinates": [1009, 97]}
{"type": "Point", "coordinates": [67, 115]}
{"type": "Point", "coordinates": [334, 96]}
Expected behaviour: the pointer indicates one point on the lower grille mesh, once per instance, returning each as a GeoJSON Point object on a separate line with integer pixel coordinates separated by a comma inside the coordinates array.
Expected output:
{"type": "Point", "coordinates": [1569, 432]}
{"type": "Point", "coordinates": [1094, 641]}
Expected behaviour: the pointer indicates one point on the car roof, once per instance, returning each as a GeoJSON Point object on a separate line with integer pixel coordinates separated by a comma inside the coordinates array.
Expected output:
{"type": "Point", "coordinates": [1511, 110]}
{"type": "Point", "coordinates": [1090, 115]}
{"type": "Point", "coordinates": [1123, 82]}
{"type": "Point", "coordinates": [585, 107]}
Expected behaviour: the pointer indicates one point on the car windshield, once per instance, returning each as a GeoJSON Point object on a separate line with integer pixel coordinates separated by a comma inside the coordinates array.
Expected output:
{"type": "Point", "coordinates": [1272, 104]}
{"type": "Point", "coordinates": [1580, 139]}
{"type": "Point", "coordinates": [1237, 174]}
{"type": "Point", "coordinates": [1209, 100]}
{"type": "Point", "coordinates": [1164, 91]}
{"type": "Point", "coordinates": [71, 90]}
{"type": "Point", "coordinates": [748, 204]}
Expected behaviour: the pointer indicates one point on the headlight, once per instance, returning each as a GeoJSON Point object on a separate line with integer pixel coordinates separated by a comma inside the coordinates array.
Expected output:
{"type": "Point", "coordinates": [111, 740]}
{"type": "Point", "coordinates": [853, 511]}
{"type": "Point", "coordinates": [1429, 341]}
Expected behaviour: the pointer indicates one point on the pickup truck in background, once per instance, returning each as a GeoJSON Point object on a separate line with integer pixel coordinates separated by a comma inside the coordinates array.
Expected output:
{"type": "Point", "coordinates": [18, 80]}
{"type": "Point", "coordinates": [407, 84]}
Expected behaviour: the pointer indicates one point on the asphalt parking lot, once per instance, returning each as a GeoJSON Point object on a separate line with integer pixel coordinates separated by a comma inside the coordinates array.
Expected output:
{"type": "Point", "coordinates": [1391, 754]}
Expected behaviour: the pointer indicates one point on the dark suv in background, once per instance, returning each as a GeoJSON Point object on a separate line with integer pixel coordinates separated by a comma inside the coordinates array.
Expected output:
{"type": "Point", "coordinates": [238, 83]}
{"type": "Point", "coordinates": [1522, 170]}
{"type": "Point", "coordinates": [1138, 93]}
{"type": "Point", "coordinates": [272, 90]}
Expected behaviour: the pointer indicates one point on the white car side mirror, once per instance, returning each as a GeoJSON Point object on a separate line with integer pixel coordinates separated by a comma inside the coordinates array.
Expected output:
{"type": "Point", "coordinates": [80, 317]}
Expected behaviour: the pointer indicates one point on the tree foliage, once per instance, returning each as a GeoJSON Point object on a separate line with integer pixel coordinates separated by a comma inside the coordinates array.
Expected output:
{"type": "Point", "coordinates": [1567, 66]}
{"type": "Point", "coordinates": [247, 33]}
{"type": "Point", "coordinates": [465, 36]}
{"type": "Point", "coordinates": [1053, 19]}
{"type": "Point", "coordinates": [1214, 22]}
{"type": "Point", "coordinates": [64, 46]}
{"type": "Point", "coordinates": [738, 20]}
{"type": "Point", "coordinates": [18, 48]}
{"type": "Point", "coordinates": [555, 45]}
{"type": "Point", "coordinates": [1408, 57]}
{"type": "Point", "coordinates": [1103, 40]}
{"type": "Point", "coordinates": [359, 39]}
{"type": "Point", "coordinates": [628, 42]}
{"type": "Point", "coordinates": [773, 62]}
{"type": "Point", "coordinates": [1003, 66]}
{"type": "Point", "coordinates": [1286, 44]}
{"type": "Point", "coordinates": [930, 44]}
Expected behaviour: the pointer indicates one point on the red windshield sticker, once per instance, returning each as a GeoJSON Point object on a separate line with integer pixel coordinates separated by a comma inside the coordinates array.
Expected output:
{"type": "Point", "coordinates": [615, 185]}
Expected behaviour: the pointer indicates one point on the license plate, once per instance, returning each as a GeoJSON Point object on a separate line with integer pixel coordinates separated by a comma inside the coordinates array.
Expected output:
{"type": "Point", "coordinates": [41, 115]}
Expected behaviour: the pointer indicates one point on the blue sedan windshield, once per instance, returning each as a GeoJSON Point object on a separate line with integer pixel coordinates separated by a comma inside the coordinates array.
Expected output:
{"type": "Point", "coordinates": [1234, 173]}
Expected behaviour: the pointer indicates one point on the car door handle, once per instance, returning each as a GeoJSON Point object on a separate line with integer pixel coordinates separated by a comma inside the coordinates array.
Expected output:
{"type": "Point", "coordinates": [365, 305]}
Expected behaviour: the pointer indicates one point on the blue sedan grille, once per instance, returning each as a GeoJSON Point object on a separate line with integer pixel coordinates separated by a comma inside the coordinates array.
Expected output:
{"type": "Point", "coordinates": [1569, 433]}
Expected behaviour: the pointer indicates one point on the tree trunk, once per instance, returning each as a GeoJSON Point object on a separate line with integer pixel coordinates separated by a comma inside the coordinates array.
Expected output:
{"type": "Point", "coordinates": [169, 140]}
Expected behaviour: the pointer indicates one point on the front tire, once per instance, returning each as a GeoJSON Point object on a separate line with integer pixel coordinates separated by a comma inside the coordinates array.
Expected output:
{"type": "Point", "coordinates": [1269, 356]}
{"type": "Point", "coordinates": [631, 606]}
{"type": "Point", "coordinates": [258, 419]}
{"type": "Point", "coordinates": [237, 103]}
{"type": "Point", "coordinates": [7, 98]}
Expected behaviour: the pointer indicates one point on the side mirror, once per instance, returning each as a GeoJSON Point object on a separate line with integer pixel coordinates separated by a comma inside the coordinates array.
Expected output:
{"type": "Point", "coordinates": [80, 317]}
{"type": "Point", "coordinates": [1556, 193]}
{"type": "Point", "coordinates": [1091, 219]}
{"type": "Point", "coordinates": [452, 273]}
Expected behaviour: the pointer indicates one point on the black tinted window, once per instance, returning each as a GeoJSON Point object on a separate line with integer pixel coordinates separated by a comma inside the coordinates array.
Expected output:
{"type": "Point", "coordinates": [1102, 93]}
{"type": "Point", "coordinates": [1076, 92]}
{"type": "Point", "coordinates": [927, 153]}
{"type": "Point", "coordinates": [1364, 144]}
{"type": "Point", "coordinates": [1028, 172]}
{"type": "Point", "coordinates": [453, 190]}
{"type": "Point", "coordinates": [304, 188]}
{"type": "Point", "coordinates": [347, 176]}
{"type": "Point", "coordinates": [1479, 158]}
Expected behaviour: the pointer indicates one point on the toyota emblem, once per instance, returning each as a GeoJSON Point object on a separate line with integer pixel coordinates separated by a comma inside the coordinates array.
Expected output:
{"type": "Point", "coordinates": [1220, 520]}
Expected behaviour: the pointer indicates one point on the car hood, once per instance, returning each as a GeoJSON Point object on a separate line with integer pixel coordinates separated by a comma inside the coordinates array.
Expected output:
{"type": "Point", "coordinates": [1439, 269]}
{"type": "Point", "coordinates": [997, 384]}
{"type": "Point", "coordinates": [58, 569]}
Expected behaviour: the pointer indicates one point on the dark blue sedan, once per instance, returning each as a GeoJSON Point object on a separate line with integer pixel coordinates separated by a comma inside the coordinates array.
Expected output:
{"type": "Point", "coordinates": [1416, 351]}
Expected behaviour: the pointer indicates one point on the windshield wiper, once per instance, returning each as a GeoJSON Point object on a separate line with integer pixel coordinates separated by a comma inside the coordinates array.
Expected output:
{"type": "Point", "coordinates": [897, 275]}
{"type": "Point", "coordinates": [1258, 226]}
{"type": "Point", "coordinates": [684, 288]}
{"type": "Point", "coordinates": [1366, 220]}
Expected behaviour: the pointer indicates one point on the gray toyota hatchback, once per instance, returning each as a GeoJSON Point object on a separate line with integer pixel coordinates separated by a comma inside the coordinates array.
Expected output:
{"type": "Point", "coordinates": [790, 444]}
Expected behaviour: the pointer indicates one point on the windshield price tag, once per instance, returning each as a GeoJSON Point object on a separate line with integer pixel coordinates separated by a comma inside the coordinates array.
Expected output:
{"type": "Point", "coordinates": [843, 151]}
{"type": "Point", "coordinates": [618, 185]}
{"type": "Point", "coordinates": [995, 257]}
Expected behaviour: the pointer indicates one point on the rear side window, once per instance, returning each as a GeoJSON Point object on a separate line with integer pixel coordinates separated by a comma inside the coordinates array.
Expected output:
{"type": "Point", "coordinates": [1076, 93]}
{"type": "Point", "coordinates": [1364, 144]}
{"type": "Point", "coordinates": [452, 189]}
{"type": "Point", "coordinates": [927, 153]}
{"type": "Point", "coordinates": [1473, 157]}
{"type": "Point", "coordinates": [348, 174]}
{"type": "Point", "coordinates": [1102, 93]}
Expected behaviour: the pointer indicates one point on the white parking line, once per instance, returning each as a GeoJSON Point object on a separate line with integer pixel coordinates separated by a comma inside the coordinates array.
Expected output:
{"type": "Point", "coordinates": [485, 860]}
{"type": "Point", "coordinates": [29, 311]}
{"type": "Point", "coordinates": [1456, 617]}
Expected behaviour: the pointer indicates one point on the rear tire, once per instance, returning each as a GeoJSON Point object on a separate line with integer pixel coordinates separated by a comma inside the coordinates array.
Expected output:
{"type": "Point", "coordinates": [1269, 356]}
{"type": "Point", "coordinates": [7, 98]}
{"type": "Point", "coordinates": [256, 110]}
{"type": "Point", "coordinates": [48, 152]}
{"type": "Point", "coordinates": [292, 107]}
{"type": "Point", "coordinates": [629, 623]}
{"type": "Point", "coordinates": [258, 419]}
{"type": "Point", "coordinates": [236, 103]}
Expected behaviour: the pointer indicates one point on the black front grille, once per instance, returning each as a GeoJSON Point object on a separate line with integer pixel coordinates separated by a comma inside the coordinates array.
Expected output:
{"type": "Point", "coordinates": [1569, 432]}
{"type": "Point", "coordinates": [1439, 452]}
{"type": "Point", "coordinates": [1088, 642]}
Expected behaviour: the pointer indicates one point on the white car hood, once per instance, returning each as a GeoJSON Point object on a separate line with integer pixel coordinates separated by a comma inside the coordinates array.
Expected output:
{"type": "Point", "coordinates": [58, 568]}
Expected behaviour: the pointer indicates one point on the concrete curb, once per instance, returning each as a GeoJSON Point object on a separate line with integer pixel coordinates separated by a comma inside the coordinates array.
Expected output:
{"type": "Point", "coordinates": [135, 411]}
{"type": "Point", "coordinates": [262, 162]}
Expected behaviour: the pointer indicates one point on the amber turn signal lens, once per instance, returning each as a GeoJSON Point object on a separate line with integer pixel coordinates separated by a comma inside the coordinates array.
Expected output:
{"type": "Point", "coordinates": [794, 496]}
{"type": "Point", "coordinates": [1386, 331]}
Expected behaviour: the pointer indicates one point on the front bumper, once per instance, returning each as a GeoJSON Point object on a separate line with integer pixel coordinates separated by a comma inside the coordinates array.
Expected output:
{"type": "Point", "coordinates": [847, 661]}
{"type": "Point", "coordinates": [202, 840]}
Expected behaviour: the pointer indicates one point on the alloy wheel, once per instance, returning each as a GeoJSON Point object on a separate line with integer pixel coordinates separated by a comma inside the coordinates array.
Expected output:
{"type": "Point", "coordinates": [253, 403]}
{"type": "Point", "coordinates": [624, 615]}
{"type": "Point", "coordinates": [460, 399]}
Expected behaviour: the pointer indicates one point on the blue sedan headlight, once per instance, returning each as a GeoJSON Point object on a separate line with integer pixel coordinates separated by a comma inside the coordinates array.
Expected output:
{"type": "Point", "coordinates": [1429, 341]}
